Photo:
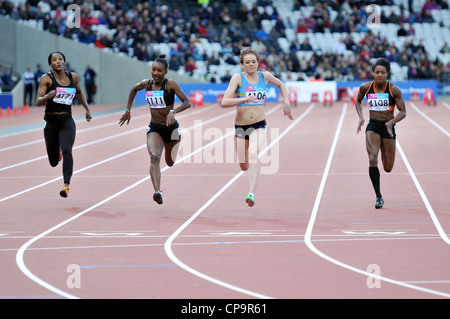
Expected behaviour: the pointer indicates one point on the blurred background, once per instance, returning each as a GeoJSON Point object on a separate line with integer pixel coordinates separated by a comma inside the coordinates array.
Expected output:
{"type": "Point", "coordinates": [111, 44]}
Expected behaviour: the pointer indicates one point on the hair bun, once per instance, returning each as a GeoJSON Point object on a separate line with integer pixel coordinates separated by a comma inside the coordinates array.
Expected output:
{"type": "Point", "coordinates": [162, 56]}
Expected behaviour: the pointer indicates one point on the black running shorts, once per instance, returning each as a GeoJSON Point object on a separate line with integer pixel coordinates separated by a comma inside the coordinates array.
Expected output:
{"type": "Point", "coordinates": [244, 131]}
{"type": "Point", "coordinates": [169, 133]}
{"type": "Point", "coordinates": [379, 127]}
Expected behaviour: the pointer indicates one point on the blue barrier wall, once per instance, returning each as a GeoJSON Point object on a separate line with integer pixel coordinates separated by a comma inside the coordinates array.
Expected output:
{"type": "Point", "coordinates": [6, 99]}
{"type": "Point", "coordinates": [407, 87]}
{"type": "Point", "coordinates": [212, 90]}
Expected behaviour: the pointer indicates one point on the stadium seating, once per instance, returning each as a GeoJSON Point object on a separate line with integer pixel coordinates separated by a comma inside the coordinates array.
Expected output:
{"type": "Point", "coordinates": [433, 34]}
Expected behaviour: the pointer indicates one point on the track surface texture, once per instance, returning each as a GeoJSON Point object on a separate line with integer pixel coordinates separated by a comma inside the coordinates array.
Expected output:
{"type": "Point", "coordinates": [313, 232]}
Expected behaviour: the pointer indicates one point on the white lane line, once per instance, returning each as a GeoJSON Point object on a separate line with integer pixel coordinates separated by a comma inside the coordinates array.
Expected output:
{"type": "Point", "coordinates": [20, 253]}
{"type": "Point", "coordinates": [75, 172]}
{"type": "Point", "coordinates": [168, 243]}
{"type": "Point", "coordinates": [313, 217]}
{"type": "Point", "coordinates": [446, 105]}
{"type": "Point", "coordinates": [426, 117]}
{"type": "Point", "coordinates": [96, 115]}
{"type": "Point", "coordinates": [111, 158]}
{"type": "Point", "coordinates": [423, 196]}
{"type": "Point", "coordinates": [285, 239]}
{"type": "Point", "coordinates": [100, 140]}
{"type": "Point", "coordinates": [96, 127]}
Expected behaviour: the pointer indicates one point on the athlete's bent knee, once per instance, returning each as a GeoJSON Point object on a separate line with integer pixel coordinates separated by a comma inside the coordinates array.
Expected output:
{"type": "Point", "coordinates": [170, 163]}
{"type": "Point", "coordinates": [54, 163]}
{"type": "Point", "coordinates": [243, 166]}
{"type": "Point", "coordinates": [388, 169]}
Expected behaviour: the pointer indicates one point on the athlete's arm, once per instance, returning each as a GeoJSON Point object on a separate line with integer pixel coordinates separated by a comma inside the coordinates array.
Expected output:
{"type": "Point", "coordinates": [358, 104]}
{"type": "Point", "coordinates": [228, 97]}
{"type": "Point", "coordinates": [80, 97]}
{"type": "Point", "coordinates": [277, 82]}
{"type": "Point", "coordinates": [185, 103]}
{"type": "Point", "coordinates": [44, 83]}
{"type": "Point", "coordinates": [397, 93]}
{"type": "Point", "coordinates": [126, 117]}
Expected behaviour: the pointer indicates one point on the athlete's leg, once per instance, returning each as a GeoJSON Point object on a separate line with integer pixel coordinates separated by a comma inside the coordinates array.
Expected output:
{"type": "Point", "coordinates": [171, 152]}
{"type": "Point", "coordinates": [67, 139]}
{"type": "Point", "coordinates": [155, 146]}
{"type": "Point", "coordinates": [257, 139]}
{"type": "Point", "coordinates": [51, 137]}
{"type": "Point", "coordinates": [373, 144]}
{"type": "Point", "coordinates": [242, 152]}
{"type": "Point", "coordinates": [388, 153]}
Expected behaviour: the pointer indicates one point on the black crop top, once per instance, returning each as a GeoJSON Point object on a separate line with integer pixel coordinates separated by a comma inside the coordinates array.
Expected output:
{"type": "Point", "coordinates": [169, 98]}
{"type": "Point", "coordinates": [380, 101]}
{"type": "Point", "coordinates": [62, 101]}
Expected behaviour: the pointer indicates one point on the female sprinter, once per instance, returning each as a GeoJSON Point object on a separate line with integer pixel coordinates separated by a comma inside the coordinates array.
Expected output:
{"type": "Point", "coordinates": [247, 90]}
{"type": "Point", "coordinates": [382, 97]}
{"type": "Point", "coordinates": [57, 89]}
{"type": "Point", "coordinates": [163, 131]}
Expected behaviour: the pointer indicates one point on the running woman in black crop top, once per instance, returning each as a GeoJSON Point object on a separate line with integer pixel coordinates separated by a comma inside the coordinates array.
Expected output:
{"type": "Point", "coordinates": [382, 97]}
{"type": "Point", "coordinates": [163, 131]}
{"type": "Point", "coordinates": [56, 91]}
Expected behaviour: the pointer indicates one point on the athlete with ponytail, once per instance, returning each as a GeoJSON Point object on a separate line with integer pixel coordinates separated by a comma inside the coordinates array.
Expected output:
{"type": "Point", "coordinates": [163, 132]}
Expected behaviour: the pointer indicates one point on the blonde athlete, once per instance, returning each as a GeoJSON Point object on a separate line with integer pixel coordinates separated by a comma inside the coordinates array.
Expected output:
{"type": "Point", "coordinates": [247, 91]}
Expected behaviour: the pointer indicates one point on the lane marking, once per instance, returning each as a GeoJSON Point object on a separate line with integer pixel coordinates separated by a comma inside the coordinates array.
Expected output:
{"type": "Point", "coordinates": [109, 159]}
{"type": "Point", "coordinates": [125, 266]}
{"type": "Point", "coordinates": [423, 196]}
{"type": "Point", "coordinates": [95, 127]}
{"type": "Point", "coordinates": [426, 117]}
{"type": "Point", "coordinates": [100, 140]}
{"type": "Point", "coordinates": [112, 234]}
{"type": "Point", "coordinates": [20, 253]}
{"type": "Point", "coordinates": [232, 233]}
{"type": "Point", "coordinates": [32, 127]}
{"type": "Point", "coordinates": [313, 217]}
{"type": "Point", "coordinates": [353, 232]}
{"type": "Point", "coordinates": [339, 238]}
{"type": "Point", "coordinates": [446, 105]}
{"type": "Point", "coordinates": [168, 243]}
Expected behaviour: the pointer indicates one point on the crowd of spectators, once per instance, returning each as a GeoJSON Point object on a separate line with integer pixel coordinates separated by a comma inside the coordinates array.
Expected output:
{"type": "Point", "coordinates": [136, 28]}
{"type": "Point", "coordinates": [6, 79]}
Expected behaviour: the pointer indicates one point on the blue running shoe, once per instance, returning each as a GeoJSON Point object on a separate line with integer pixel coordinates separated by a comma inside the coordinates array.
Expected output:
{"type": "Point", "coordinates": [379, 203]}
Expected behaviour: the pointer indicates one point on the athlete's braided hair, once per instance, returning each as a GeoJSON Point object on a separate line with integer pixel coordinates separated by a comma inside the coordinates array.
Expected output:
{"type": "Point", "coordinates": [161, 59]}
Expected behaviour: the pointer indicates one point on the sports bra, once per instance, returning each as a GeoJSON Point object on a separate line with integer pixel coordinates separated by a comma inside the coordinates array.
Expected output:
{"type": "Point", "coordinates": [247, 89]}
{"type": "Point", "coordinates": [159, 99]}
{"type": "Point", "coordinates": [383, 101]}
{"type": "Point", "coordinates": [63, 99]}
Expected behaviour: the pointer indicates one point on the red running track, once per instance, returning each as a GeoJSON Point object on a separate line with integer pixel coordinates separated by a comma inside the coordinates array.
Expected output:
{"type": "Point", "coordinates": [313, 233]}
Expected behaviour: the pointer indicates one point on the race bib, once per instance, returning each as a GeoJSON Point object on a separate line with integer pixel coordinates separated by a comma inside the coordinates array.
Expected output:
{"type": "Point", "coordinates": [378, 101]}
{"type": "Point", "coordinates": [257, 91]}
{"type": "Point", "coordinates": [155, 99]}
{"type": "Point", "coordinates": [64, 95]}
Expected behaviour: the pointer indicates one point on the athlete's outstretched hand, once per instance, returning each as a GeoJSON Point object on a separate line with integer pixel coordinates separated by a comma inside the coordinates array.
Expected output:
{"type": "Point", "coordinates": [287, 110]}
{"type": "Point", "coordinates": [126, 117]}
